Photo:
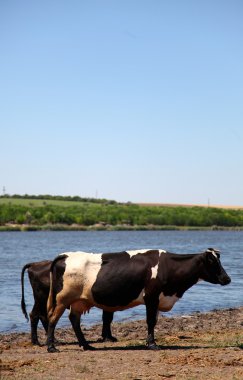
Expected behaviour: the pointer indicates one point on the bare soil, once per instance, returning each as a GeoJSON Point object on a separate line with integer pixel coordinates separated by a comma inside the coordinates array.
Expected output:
{"type": "Point", "coordinates": [200, 346]}
{"type": "Point", "coordinates": [192, 205]}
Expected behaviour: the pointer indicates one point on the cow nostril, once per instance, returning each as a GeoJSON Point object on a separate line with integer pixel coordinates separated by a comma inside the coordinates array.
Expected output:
{"type": "Point", "coordinates": [227, 281]}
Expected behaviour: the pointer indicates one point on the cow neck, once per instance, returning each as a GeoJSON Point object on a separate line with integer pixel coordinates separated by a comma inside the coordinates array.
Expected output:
{"type": "Point", "coordinates": [184, 272]}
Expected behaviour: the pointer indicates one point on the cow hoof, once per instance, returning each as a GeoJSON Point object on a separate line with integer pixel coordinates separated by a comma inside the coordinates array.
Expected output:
{"type": "Point", "coordinates": [108, 339]}
{"type": "Point", "coordinates": [52, 349]}
{"type": "Point", "coordinates": [88, 348]}
{"type": "Point", "coordinates": [153, 346]}
{"type": "Point", "coordinates": [36, 343]}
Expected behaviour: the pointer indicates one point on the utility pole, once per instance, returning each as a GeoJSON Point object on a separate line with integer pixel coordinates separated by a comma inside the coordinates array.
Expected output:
{"type": "Point", "coordinates": [4, 190]}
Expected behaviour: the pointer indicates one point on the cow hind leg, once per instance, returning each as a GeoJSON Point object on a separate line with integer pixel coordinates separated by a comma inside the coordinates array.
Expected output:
{"type": "Point", "coordinates": [107, 318]}
{"type": "Point", "coordinates": [34, 319]}
{"type": "Point", "coordinates": [74, 318]}
{"type": "Point", "coordinates": [44, 322]}
{"type": "Point", "coordinates": [53, 319]}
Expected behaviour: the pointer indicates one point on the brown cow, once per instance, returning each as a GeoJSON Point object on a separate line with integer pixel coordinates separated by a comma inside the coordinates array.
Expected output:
{"type": "Point", "coordinates": [39, 276]}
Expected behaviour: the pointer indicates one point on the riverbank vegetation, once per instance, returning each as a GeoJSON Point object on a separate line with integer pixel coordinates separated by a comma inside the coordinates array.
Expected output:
{"type": "Point", "coordinates": [75, 213]}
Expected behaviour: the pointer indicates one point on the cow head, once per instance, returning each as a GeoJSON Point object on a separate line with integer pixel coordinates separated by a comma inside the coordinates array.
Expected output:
{"type": "Point", "coordinates": [213, 271]}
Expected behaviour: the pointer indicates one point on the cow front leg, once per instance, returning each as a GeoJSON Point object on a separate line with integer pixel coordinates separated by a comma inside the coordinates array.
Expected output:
{"type": "Point", "coordinates": [152, 314]}
{"type": "Point", "coordinates": [107, 319]}
{"type": "Point", "coordinates": [74, 318]}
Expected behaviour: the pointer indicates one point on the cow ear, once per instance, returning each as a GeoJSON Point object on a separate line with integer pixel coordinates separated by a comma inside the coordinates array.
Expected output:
{"type": "Point", "coordinates": [209, 257]}
{"type": "Point", "coordinates": [212, 256]}
{"type": "Point", "coordinates": [215, 252]}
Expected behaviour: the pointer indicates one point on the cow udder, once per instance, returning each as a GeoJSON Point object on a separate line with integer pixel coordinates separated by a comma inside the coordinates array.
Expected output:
{"type": "Point", "coordinates": [81, 306]}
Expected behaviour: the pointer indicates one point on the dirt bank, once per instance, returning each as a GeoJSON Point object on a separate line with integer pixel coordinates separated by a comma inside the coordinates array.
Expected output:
{"type": "Point", "coordinates": [200, 346]}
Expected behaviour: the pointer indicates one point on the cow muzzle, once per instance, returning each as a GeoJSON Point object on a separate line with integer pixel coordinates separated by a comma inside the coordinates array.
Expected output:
{"type": "Point", "coordinates": [224, 280]}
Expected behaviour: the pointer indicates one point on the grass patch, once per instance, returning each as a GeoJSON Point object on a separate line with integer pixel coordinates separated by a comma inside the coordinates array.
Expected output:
{"type": "Point", "coordinates": [220, 339]}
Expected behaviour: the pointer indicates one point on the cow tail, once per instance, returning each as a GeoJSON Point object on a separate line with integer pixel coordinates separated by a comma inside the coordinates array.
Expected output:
{"type": "Point", "coordinates": [23, 305]}
{"type": "Point", "coordinates": [51, 302]}
{"type": "Point", "coordinates": [50, 297]}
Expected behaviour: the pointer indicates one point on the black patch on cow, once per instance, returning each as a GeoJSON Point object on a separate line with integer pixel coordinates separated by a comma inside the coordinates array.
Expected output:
{"type": "Point", "coordinates": [122, 278]}
{"type": "Point", "coordinates": [177, 273]}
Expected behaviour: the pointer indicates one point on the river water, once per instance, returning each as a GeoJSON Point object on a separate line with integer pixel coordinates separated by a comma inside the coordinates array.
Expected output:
{"type": "Point", "coordinates": [19, 248]}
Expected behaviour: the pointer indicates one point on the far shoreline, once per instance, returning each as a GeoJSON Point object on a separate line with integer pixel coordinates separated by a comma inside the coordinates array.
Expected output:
{"type": "Point", "coordinates": [107, 227]}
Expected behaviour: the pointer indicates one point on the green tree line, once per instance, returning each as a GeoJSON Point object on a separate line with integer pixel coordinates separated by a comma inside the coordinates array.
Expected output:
{"type": "Point", "coordinates": [106, 213]}
{"type": "Point", "coordinates": [75, 198]}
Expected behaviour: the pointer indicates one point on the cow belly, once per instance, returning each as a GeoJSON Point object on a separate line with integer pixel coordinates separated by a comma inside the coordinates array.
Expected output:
{"type": "Point", "coordinates": [136, 302]}
{"type": "Point", "coordinates": [167, 302]}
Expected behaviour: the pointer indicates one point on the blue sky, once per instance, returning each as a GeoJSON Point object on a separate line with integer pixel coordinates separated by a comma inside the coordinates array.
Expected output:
{"type": "Point", "coordinates": [133, 100]}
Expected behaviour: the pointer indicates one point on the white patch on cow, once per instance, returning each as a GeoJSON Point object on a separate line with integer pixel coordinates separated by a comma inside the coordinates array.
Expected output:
{"type": "Point", "coordinates": [167, 302]}
{"type": "Point", "coordinates": [155, 268]}
{"type": "Point", "coordinates": [154, 271]}
{"type": "Point", "coordinates": [142, 251]}
{"type": "Point", "coordinates": [80, 274]}
{"type": "Point", "coordinates": [137, 251]}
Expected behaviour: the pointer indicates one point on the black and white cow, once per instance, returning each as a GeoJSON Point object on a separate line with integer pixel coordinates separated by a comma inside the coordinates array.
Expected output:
{"type": "Point", "coordinates": [118, 281]}
{"type": "Point", "coordinates": [39, 277]}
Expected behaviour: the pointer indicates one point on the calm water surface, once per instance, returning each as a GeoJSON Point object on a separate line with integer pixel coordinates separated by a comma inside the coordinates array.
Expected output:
{"type": "Point", "coordinates": [19, 248]}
